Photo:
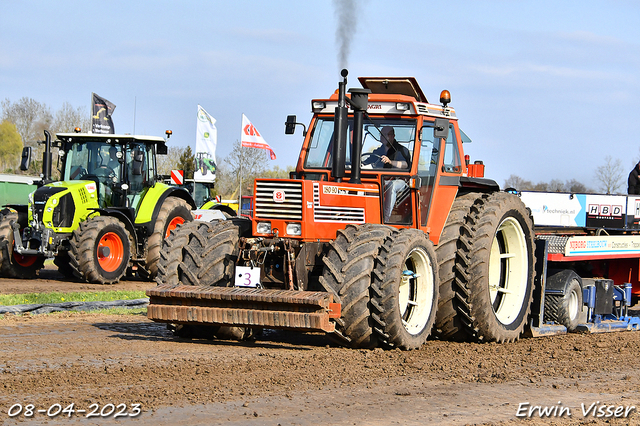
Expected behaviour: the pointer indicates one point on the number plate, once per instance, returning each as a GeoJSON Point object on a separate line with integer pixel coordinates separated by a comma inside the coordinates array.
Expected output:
{"type": "Point", "coordinates": [247, 276]}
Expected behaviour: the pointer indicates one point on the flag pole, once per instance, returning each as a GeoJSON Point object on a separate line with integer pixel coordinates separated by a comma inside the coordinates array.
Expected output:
{"type": "Point", "coordinates": [240, 192]}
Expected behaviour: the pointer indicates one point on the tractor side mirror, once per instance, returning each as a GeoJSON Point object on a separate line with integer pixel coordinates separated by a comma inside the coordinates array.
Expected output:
{"type": "Point", "coordinates": [290, 125]}
{"type": "Point", "coordinates": [138, 162]}
{"type": "Point", "coordinates": [441, 129]}
{"type": "Point", "coordinates": [25, 163]}
{"type": "Point", "coordinates": [161, 149]}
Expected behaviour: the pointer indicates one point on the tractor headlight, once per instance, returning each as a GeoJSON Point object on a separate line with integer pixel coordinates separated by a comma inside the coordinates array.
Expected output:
{"type": "Point", "coordinates": [294, 229]}
{"type": "Point", "coordinates": [263, 228]}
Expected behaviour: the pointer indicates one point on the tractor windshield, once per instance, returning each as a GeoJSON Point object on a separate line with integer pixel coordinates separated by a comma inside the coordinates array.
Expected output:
{"type": "Point", "coordinates": [92, 159]}
{"type": "Point", "coordinates": [386, 143]}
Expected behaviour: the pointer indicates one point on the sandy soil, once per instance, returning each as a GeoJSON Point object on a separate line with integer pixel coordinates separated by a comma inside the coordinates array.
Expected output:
{"type": "Point", "coordinates": [291, 378]}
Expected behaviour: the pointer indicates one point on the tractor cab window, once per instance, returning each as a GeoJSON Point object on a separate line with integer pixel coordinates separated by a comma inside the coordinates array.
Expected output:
{"type": "Point", "coordinates": [140, 171]}
{"type": "Point", "coordinates": [381, 137]}
{"type": "Point", "coordinates": [95, 161]}
{"type": "Point", "coordinates": [451, 159]}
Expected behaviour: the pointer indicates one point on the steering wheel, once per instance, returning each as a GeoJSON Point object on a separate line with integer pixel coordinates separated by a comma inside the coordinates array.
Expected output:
{"type": "Point", "coordinates": [78, 173]}
{"type": "Point", "coordinates": [366, 154]}
{"type": "Point", "coordinates": [104, 172]}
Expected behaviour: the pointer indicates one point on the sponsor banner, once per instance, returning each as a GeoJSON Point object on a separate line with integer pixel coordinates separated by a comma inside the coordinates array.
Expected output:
{"type": "Point", "coordinates": [206, 143]}
{"type": "Point", "coordinates": [251, 138]}
{"type": "Point", "coordinates": [101, 110]}
{"type": "Point", "coordinates": [603, 245]}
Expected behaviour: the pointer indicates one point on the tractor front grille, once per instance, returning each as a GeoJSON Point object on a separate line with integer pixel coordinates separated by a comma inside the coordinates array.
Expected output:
{"type": "Point", "coordinates": [278, 200]}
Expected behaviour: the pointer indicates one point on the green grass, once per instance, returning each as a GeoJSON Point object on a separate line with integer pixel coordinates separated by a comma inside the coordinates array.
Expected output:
{"type": "Point", "coordinates": [42, 298]}
{"type": "Point", "coordinates": [110, 311]}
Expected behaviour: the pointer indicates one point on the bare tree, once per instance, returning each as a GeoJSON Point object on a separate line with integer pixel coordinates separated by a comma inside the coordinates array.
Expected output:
{"type": "Point", "coordinates": [556, 185]}
{"type": "Point", "coordinates": [515, 181]}
{"type": "Point", "coordinates": [576, 187]}
{"type": "Point", "coordinates": [248, 162]}
{"type": "Point", "coordinates": [610, 175]}
{"type": "Point", "coordinates": [171, 161]}
{"type": "Point", "coordinates": [68, 118]}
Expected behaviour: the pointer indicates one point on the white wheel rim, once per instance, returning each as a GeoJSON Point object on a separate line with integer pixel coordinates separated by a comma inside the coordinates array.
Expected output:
{"type": "Point", "coordinates": [573, 307]}
{"type": "Point", "coordinates": [415, 292]}
{"type": "Point", "coordinates": [508, 270]}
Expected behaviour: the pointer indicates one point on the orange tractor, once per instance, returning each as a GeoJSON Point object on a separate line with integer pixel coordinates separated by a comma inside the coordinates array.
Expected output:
{"type": "Point", "coordinates": [383, 233]}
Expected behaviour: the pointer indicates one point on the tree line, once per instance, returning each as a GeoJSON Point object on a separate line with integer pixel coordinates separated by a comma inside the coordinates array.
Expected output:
{"type": "Point", "coordinates": [610, 179]}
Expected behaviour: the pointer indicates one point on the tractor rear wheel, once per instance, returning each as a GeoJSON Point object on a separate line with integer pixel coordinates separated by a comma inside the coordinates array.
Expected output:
{"type": "Point", "coordinates": [498, 263]}
{"type": "Point", "coordinates": [207, 259]}
{"type": "Point", "coordinates": [171, 254]}
{"type": "Point", "coordinates": [174, 212]}
{"type": "Point", "coordinates": [348, 269]}
{"type": "Point", "coordinates": [12, 264]}
{"type": "Point", "coordinates": [405, 289]}
{"type": "Point", "coordinates": [450, 323]}
{"type": "Point", "coordinates": [100, 250]}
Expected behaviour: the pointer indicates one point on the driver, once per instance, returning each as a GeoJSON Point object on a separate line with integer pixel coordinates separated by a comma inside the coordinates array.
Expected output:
{"type": "Point", "coordinates": [114, 163]}
{"type": "Point", "coordinates": [391, 155]}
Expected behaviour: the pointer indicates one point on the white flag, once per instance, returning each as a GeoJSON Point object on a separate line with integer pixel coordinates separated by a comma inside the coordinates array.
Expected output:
{"type": "Point", "coordinates": [252, 139]}
{"type": "Point", "coordinates": [206, 142]}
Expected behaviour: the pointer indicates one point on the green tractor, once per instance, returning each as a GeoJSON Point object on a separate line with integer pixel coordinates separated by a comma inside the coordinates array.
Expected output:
{"type": "Point", "coordinates": [107, 217]}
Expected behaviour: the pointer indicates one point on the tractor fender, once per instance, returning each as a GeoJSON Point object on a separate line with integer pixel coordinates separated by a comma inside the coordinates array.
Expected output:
{"type": "Point", "coordinates": [146, 216]}
{"type": "Point", "coordinates": [225, 209]}
{"type": "Point", "coordinates": [122, 218]}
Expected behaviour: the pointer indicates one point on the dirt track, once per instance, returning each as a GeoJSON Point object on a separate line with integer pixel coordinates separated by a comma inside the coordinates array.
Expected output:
{"type": "Point", "coordinates": [290, 378]}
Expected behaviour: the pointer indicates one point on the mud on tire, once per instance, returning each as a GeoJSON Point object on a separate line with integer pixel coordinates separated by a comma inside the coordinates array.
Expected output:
{"type": "Point", "coordinates": [404, 292]}
{"type": "Point", "coordinates": [449, 322]}
{"type": "Point", "coordinates": [100, 250]}
{"type": "Point", "coordinates": [174, 212]}
{"type": "Point", "coordinates": [497, 255]}
{"type": "Point", "coordinates": [348, 269]}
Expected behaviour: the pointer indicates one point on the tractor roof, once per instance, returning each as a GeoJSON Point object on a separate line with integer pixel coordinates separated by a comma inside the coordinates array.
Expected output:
{"type": "Point", "coordinates": [394, 86]}
{"type": "Point", "coordinates": [109, 138]}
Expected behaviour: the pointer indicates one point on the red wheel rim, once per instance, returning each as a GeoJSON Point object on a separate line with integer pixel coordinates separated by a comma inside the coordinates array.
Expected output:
{"type": "Point", "coordinates": [24, 261]}
{"type": "Point", "coordinates": [113, 242]}
{"type": "Point", "coordinates": [172, 225]}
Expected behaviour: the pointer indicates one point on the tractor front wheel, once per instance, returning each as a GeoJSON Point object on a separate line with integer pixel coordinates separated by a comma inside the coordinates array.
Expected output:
{"type": "Point", "coordinates": [100, 250]}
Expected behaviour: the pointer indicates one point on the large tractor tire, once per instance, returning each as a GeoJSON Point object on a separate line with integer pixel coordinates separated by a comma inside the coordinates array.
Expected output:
{"type": "Point", "coordinates": [449, 323]}
{"type": "Point", "coordinates": [12, 264]}
{"type": "Point", "coordinates": [100, 250]}
{"type": "Point", "coordinates": [496, 264]}
{"type": "Point", "coordinates": [348, 272]}
{"type": "Point", "coordinates": [171, 253]}
{"type": "Point", "coordinates": [485, 258]}
{"type": "Point", "coordinates": [174, 212]}
{"type": "Point", "coordinates": [564, 309]}
{"type": "Point", "coordinates": [404, 292]}
{"type": "Point", "coordinates": [207, 259]}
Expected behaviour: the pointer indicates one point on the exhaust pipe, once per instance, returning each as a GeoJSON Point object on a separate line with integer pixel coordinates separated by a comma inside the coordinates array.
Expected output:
{"type": "Point", "coordinates": [340, 131]}
{"type": "Point", "coordinates": [359, 101]}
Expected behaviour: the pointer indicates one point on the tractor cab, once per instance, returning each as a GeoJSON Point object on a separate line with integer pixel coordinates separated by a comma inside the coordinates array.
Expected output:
{"type": "Point", "coordinates": [123, 167]}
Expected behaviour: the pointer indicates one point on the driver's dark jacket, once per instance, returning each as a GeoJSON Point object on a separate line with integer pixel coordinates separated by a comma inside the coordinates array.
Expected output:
{"type": "Point", "coordinates": [396, 152]}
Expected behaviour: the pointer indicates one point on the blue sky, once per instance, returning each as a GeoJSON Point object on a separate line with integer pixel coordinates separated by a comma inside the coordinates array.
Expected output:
{"type": "Point", "coordinates": [545, 89]}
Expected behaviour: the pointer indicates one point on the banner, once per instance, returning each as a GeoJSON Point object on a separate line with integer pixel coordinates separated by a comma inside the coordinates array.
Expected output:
{"type": "Point", "coordinates": [206, 142]}
{"type": "Point", "coordinates": [101, 110]}
{"type": "Point", "coordinates": [252, 139]}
